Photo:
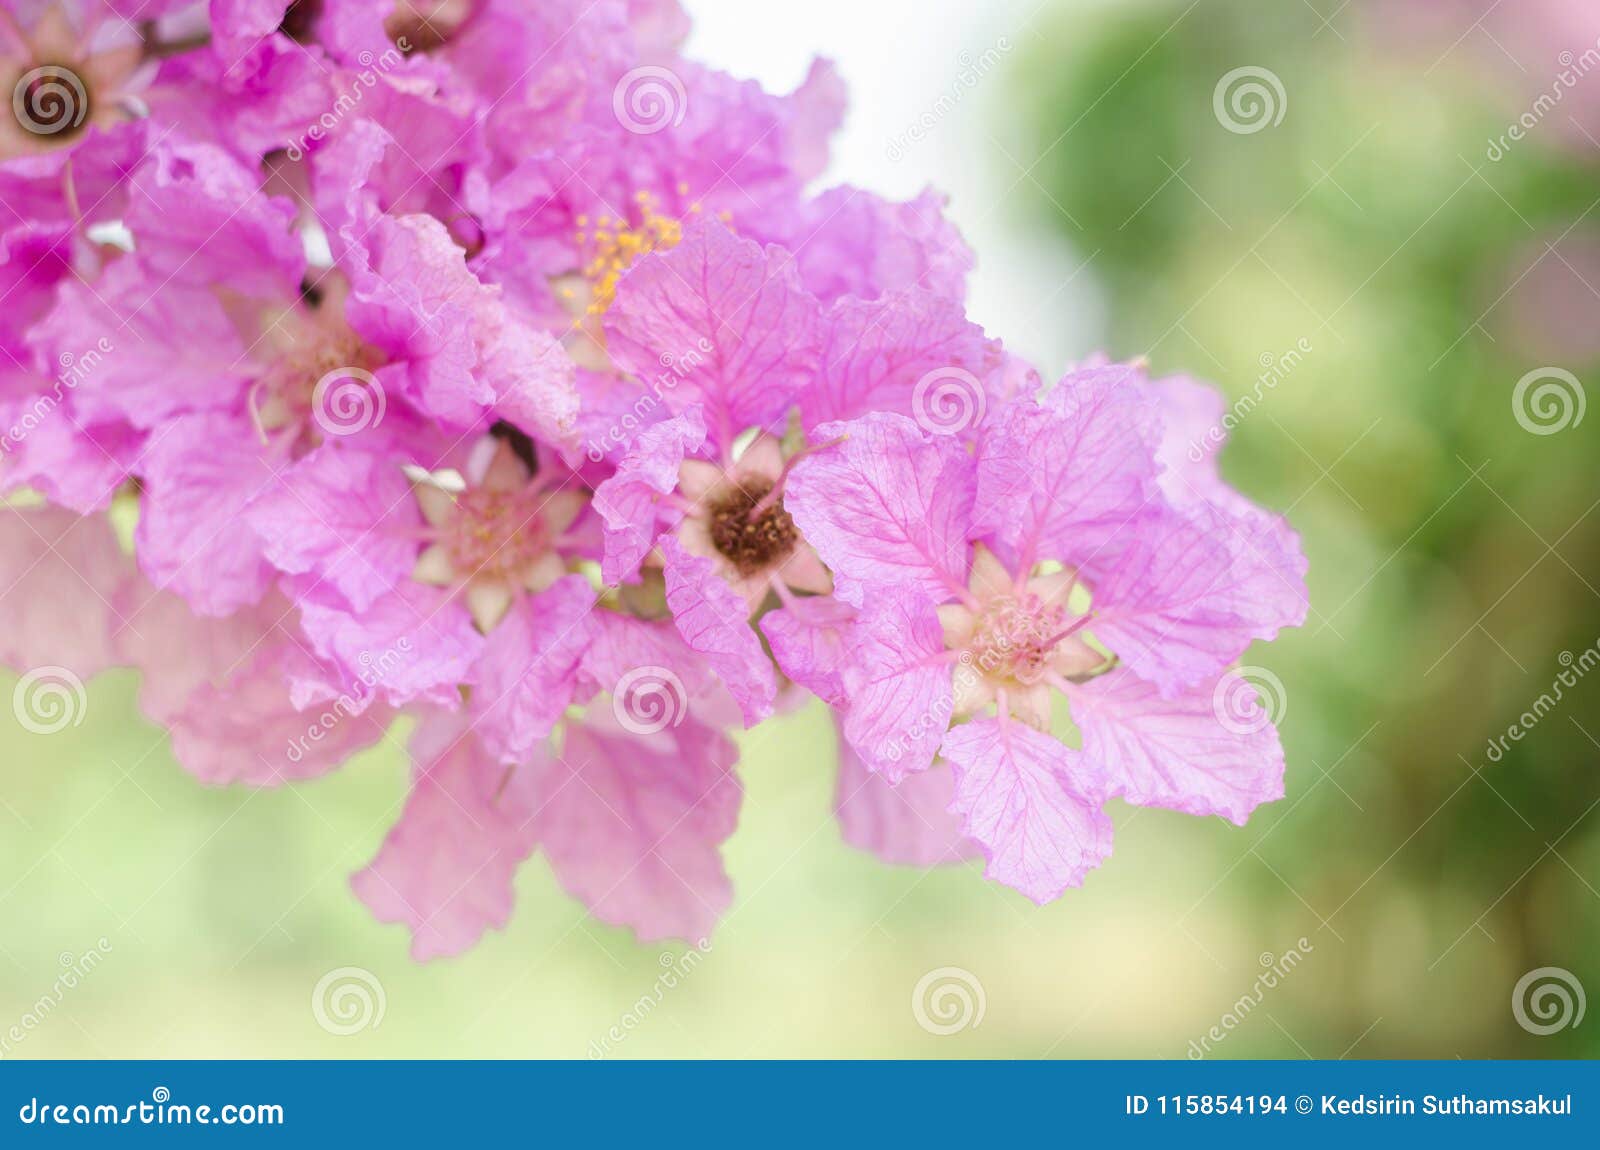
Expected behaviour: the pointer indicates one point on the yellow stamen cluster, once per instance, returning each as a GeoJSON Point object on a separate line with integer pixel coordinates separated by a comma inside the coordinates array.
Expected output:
{"type": "Point", "coordinates": [616, 243]}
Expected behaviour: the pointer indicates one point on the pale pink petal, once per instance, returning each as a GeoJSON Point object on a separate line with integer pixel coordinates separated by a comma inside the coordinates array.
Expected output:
{"type": "Point", "coordinates": [179, 652]}
{"type": "Point", "coordinates": [909, 824]}
{"type": "Point", "coordinates": [446, 868]}
{"type": "Point", "coordinates": [245, 728]}
{"type": "Point", "coordinates": [730, 312]}
{"type": "Point", "coordinates": [1213, 751]}
{"type": "Point", "coordinates": [879, 352]}
{"type": "Point", "coordinates": [1025, 798]}
{"type": "Point", "coordinates": [633, 825]}
{"type": "Point", "coordinates": [528, 674]}
{"type": "Point", "coordinates": [63, 579]}
{"type": "Point", "coordinates": [889, 505]}
{"type": "Point", "coordinates": [899, 683]}
{"type": "Point", "coordinates": [714, 619]}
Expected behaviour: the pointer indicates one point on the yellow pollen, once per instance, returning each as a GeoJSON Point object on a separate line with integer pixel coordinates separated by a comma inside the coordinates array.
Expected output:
{"type": "Point", "coordinates": [613, 250]}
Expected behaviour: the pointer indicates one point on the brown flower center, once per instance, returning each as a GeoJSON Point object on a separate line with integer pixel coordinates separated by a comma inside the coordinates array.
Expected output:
{"type": "Point", "coordinates": [426, 25]}
{"type": "Point", "coordinates": [752, 543]}
{"type": "Point", "coordinates": [300, 21]}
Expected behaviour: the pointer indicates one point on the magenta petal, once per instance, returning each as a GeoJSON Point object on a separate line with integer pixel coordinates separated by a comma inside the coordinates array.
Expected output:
{"type": "Point", "coordinates": [878, 352]}
{"type": "Point", "coordinates": [909, 824]}
{"type": "Point", "coordinates": [714, 619]}
{"type": "Point", "coordinates": [343, 516]}
{"type": "Point", "coordinates": [900, 684]}
{"type": "Point", "coordinates": [627, 502]}
{"type": "Point", "coordinates": [730, 315]}
{"type": "Point", "coordinates": [809, 640]}
{"type": "Point", "coordinates": [888, 506]}
{"type": "Point", "coordinates": [634, 825]}
{"type": "Point", "coordinates": [194, 537]}
{"type": "Point", "coordinates": [416, 643]}
{"type": "Point", "coordinates": [1040, 834]}
{"type": "Point", "coordinates": [1064, 479]}
{"type": "Point", "coordinates": [446, 868]}
{"type": "Point", "coordinates": [1191, 592]}
{"type": "Point", "coordinates": [1201, 753]}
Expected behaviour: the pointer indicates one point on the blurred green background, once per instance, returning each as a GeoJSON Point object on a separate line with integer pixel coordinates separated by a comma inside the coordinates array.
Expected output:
{"type": "Point", "coordinates": [1453, 561]}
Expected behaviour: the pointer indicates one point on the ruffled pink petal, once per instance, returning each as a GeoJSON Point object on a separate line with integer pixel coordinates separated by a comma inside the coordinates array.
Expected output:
{"type": "Point", "coordinates": [714, 619]}
{"type": "Point", "coordinates": [889, 505]}
{"type": "Point", "coordinates": [201, 477]}
{"type": "Point", "coordinates": [730, 313]}
{"type": "Point", "coordinates": [343, 516]}
{"type": "Point", "coordinates": [904, 352]}
{"type": "Point", "coordinates": [1193, 590]}
{"type": "Point", "coordinates": [446, 868]}
{"type": "Point", "coordinates": [47, 451]}
{"type": "Point", "coordinates": [810, 641]}
{"type": "Point", "coordinates": [414, 298]}
{"type": "Point", "coordinates": [852, 242]}
{"type": "Point", "coordinates": [160, 351]}
{"type": "Point", "coordinates": [425, 643]}
{"type": "Point", "coordinates": [1213, 751]}
{"type": "Point", "coordinates": [1022, 796]}
{"type": "Point", "coordinates": [200, 217]}
{"type": "Point", "coordinates": [909, 824]}
{"type": "Point", "coordinates": [528, 674]}
{"type": "Point", "coordinates": [1065, 479]}
{"type": "Point", "coordinates": [899, 683]}
{"type": "Point", "coordinates": [633, 825]}
{"type": "Point", "coordinates": [628, 502]}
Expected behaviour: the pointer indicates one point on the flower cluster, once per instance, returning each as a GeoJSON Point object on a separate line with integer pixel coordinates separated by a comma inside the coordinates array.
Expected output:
{"type": "Point", "coordinates": [490, 364]}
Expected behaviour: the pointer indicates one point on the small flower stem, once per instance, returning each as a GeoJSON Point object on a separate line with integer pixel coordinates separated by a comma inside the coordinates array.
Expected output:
{"type": "Point", "coordinates": [1077, 625]}
{"type": "Point", "coordinates": [776, 493]}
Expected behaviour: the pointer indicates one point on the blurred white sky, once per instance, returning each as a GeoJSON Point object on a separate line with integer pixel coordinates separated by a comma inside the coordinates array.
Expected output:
{"type": "Point", "coordinates": [899, 57]}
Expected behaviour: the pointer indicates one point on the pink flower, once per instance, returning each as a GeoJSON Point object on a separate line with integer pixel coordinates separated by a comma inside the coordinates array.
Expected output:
{"type": "Point", "coordinates": [492, 365]}
{"type": "Point", "coordinates": [1065, 557]}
